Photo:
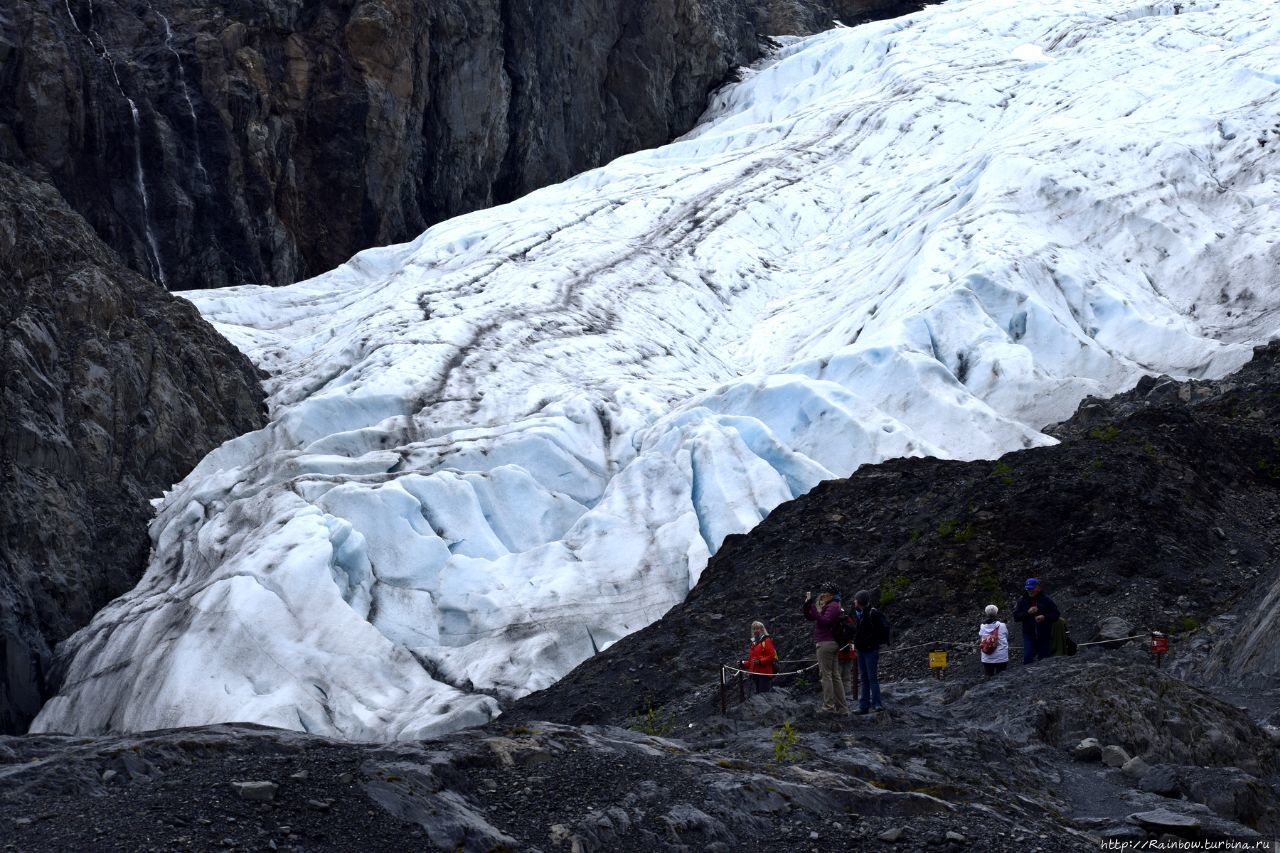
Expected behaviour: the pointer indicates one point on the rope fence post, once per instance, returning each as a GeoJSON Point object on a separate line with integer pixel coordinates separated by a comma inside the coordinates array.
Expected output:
{"type": "Point", "coordinates": [724, 701]}
{"type": "Point", "coordinates": [1159, 646]}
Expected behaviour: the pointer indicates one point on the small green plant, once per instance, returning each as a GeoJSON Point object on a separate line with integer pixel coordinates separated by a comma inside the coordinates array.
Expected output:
{"type": "Point", "coordinates": [892, 588]}
{"type": "Point", "coordinates": [1189, 624]}
{"type": "Point", "coordinates": [653, 722]}
{"type": "Point", "coordinates": [784, 743]}
{"type": "Point", "coordinates": [1004, 472]}
{"type": "Point", "coordinates": [987, 581]}
{"type": "Point", "coordinates": [915, 535]}
{"type": "Point", "coordinates": [1149, 449]}
{"type": "Point", "coordinates": [1096, 463]}
{"type": "Point", "coordinates": [801, 682]}
{"type": "Point", "coordinates": [950, 528]}
{"type": "Point", "coordinates": [1105, 433]}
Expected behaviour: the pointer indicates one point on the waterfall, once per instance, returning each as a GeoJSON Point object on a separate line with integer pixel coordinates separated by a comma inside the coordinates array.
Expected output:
{"type": "Point", "coordinates": [186, 95]}
{"type": "Point", "coordinates": [139, 178]}
{"type": "Point", "coordinates": [153, 248]}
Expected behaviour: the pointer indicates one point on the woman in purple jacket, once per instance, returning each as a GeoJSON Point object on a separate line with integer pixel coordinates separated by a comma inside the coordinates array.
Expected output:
{"type": "Point", "coordinates": [824, 615]}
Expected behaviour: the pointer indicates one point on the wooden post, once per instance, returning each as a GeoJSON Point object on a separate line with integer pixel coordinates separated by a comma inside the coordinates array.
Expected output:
{"type": "Point", "coordinates": [724, 705]}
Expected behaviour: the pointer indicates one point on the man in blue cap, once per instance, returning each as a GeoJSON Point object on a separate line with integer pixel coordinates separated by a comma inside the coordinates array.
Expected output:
{"type": "Point", "coordinates": [1037, 613]}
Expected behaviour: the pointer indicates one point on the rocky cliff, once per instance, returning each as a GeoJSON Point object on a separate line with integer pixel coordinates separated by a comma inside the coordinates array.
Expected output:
{"type": "Point", "coordinates": [110, 391]}
{"type": "Point", "coordinates": [218, 142]}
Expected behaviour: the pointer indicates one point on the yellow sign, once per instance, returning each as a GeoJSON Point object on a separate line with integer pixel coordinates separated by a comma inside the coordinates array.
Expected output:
{"type": "Point", "coordinates": [937, 660]}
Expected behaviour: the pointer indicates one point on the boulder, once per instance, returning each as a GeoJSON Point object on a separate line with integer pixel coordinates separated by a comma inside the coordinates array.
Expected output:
{"type": "Point", "coordinates": [1089, 749]}
{"type": "Point", "coordinates": [1227, 791]}
{"type": "Point", "coordinates": [1114, 628]}
{"type": "Point", "coordinates": [1135, 768]}
{"type": "Point", "coordinates": [1114, 756]}
{"type": "Point", "coordinates": [1160, 780]}
{"type": "Point", "coordinates": [256, 792]}
{"type": "Point", "coordinates": [1166, 820]}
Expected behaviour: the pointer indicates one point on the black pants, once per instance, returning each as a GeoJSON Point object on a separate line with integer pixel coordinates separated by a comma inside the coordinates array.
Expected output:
{"type": "Point", "coordinates": [763, 683]}
{"type": "Point", "coordinates": [990, 669]}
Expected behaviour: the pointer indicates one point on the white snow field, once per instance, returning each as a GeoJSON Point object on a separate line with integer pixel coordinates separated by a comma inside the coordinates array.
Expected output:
{"type": "Point", "coordinates": [523, 434]}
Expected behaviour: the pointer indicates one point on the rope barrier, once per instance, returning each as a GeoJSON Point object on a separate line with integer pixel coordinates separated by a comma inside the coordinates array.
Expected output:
{"type": "Point", "coordinates": [1114, 640]}
{"type": "Point", "coordinates": [728, 668]}
{"type": "Point", "coordinates": [933, 644]}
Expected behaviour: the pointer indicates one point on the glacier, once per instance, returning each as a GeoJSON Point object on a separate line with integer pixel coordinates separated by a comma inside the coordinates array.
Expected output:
{"type": "Point", "coordinates": [504, 445]}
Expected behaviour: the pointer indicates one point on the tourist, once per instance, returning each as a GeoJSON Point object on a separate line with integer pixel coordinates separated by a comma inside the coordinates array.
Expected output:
{"type": "Point", "coordinates": [761, 657]}
{"type": "Point", "coordinates": [1037, 613]}
{"type": "Point", "coordinates": [993, 643]}
{"type": "Point", "coordinates": [871, 633]}
{"type": "Point", "coordinates": [824, 615]}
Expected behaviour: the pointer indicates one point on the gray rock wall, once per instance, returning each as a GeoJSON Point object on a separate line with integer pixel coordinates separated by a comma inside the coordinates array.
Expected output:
{"type": "Point", "coordinates": [269, 141]}
{"type": "Point", "coordinates": [278, 138]}
{"type": "Point", "coordinates": [110, 391]}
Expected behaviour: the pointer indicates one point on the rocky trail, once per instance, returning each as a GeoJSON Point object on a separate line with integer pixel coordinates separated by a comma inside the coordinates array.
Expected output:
{"type": "Point", "coordinates": [1154, 512]}
{"type": "Point", "coordinates": [951, 765]}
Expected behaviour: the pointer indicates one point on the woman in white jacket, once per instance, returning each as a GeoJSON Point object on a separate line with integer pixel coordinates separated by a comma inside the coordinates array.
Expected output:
{"type": "Point", "coordinates": [993, 642]}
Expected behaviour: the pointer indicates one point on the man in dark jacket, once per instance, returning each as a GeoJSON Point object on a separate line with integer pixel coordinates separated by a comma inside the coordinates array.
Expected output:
{"type": "Point", "coordinates": [871, 631]}
{"type": "Point", "coordinates": [1037, 613]}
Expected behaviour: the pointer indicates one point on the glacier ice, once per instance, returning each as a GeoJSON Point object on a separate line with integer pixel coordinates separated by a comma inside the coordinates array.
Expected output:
{"type": "Point", "coordinates": [509, 442]}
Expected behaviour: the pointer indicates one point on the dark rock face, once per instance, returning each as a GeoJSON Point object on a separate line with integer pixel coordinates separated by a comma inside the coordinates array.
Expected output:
{"type": "Point", "coordinates": [217, 142]}
{"type": "Point", "coordinates": [111, 390]}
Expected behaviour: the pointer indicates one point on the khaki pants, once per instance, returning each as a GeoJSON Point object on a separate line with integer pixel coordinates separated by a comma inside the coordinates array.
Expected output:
{"type": "Point", "coordinates": [849, 677]}
{"type": "Point", "coordinates": [832, 687]}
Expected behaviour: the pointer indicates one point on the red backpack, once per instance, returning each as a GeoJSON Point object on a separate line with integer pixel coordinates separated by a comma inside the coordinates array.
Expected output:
{"type": "Point", "coordinates": [991, 642]}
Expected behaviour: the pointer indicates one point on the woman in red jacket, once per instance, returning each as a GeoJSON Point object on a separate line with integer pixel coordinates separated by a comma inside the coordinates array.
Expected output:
{"type": "Point", "coordinates": [760, 658]}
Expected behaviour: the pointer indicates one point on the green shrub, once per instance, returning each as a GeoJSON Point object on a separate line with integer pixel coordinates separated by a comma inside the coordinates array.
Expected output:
{"type": "Point", "coordinates": [987, 581]}
{"type": "Point", "coordinates": [1004, 472]}
{"type": "Point", "coordinates": [784, 743]}
{"type": "Point", "coordinates": [892, 588]}
{"type": "Point", "coordinates": [653, 722]}
{"type": "Point", "coordinates": [950, 528]}
{"type": "Point", "coordinates": [1105, 433]}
